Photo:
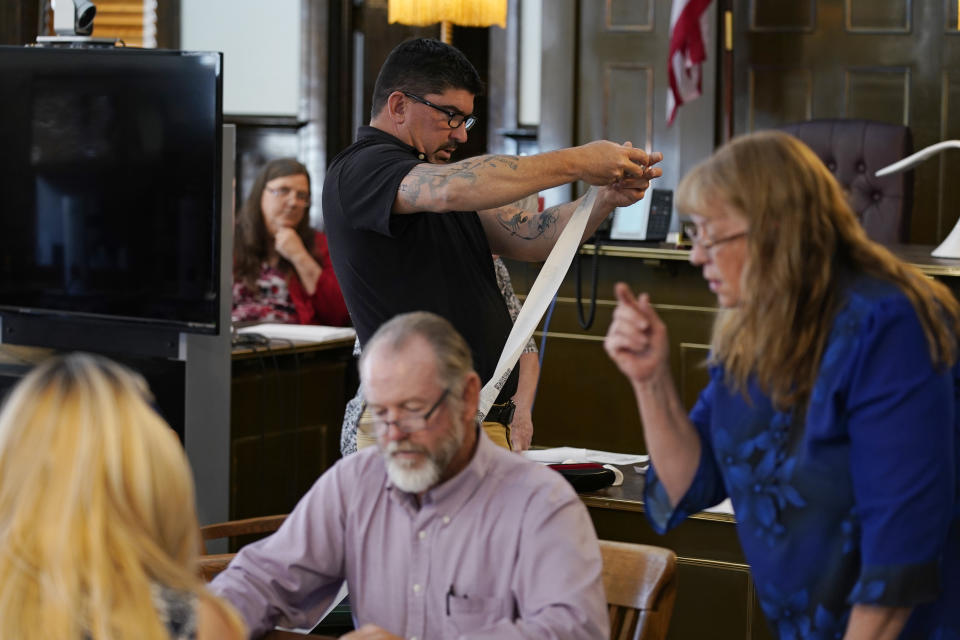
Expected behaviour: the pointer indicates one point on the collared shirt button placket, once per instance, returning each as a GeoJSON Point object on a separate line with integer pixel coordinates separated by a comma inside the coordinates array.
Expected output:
{"type": "Point", "coordinates": [419, 570]}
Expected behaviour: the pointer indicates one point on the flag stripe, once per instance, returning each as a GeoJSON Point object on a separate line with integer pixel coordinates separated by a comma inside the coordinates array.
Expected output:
{"type": "Point", "coordinates": [688, 51]}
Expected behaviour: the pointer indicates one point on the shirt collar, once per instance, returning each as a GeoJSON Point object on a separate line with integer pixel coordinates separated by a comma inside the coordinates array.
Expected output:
{"type": "Point", "coordinates": [379, 135]}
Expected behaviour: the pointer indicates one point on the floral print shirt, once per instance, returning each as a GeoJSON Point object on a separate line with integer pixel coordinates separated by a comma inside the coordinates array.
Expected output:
{"type": "Point", "coordinates": [858, 501]}
{"type": "Point", "coordinates": [177, 611]}
{"type": "Point", "coordinates": [270, 303]}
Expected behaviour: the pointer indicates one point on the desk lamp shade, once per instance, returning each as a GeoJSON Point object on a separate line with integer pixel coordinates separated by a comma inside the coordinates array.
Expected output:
{"type": "Point", "coordinates": [949, 248]}
{"type": "Point", "coordinates": [466, 13]}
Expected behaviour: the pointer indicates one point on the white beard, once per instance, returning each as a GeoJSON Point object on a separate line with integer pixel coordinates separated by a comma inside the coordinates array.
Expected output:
{"type": "Point", "coordinates": [412, 479]}
{"type": "Point", "coordinates": [417, 479]}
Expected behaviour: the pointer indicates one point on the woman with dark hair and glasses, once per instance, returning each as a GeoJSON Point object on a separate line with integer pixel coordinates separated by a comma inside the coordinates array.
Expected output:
{"type": "Point", "coordinates": [831, 419]}
{"type": "Point", "coordinates": [281, 267]}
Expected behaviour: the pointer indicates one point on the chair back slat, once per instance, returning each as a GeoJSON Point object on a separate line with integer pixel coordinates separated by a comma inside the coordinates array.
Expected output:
{"type": "Point", "coordinates": [210, 564]}
{"type": "Point", "coordinates": [640, 583]}
{"type": "Point", "coordinates": [263, 524]}
{"type": "Point", "coordinates": [629, 624]}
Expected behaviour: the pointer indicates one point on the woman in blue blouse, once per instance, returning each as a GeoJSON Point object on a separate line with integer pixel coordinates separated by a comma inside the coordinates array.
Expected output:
{"type": "Point", "coordinates": [831, 416]}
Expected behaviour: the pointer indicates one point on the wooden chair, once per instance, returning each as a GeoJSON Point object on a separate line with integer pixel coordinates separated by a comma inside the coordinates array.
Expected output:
{"type": "Point", "coordinates": [213, 563]}
{"type": "Point", "coordinates": [641, 587]}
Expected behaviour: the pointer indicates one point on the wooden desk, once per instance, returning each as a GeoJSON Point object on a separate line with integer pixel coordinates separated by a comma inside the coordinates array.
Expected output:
{"type": "Point", "coordinates": [715, 596]}
{"type": "Point", "coordinates": [286, 410]}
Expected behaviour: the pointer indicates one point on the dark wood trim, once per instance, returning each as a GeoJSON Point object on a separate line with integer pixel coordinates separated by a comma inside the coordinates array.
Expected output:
{"type": "Point", "coordinates": [340, 71]}
{"type": "Point", "coordinates": [19, 21]}
{"type": "Point", "coordinates": [242, 120]}
{"type": "Point", "coordinates": [726, 62]}
{"type": "Point", "coordinates": [503, 82]}
{"type": "Point", "coordinates": [168, 24]}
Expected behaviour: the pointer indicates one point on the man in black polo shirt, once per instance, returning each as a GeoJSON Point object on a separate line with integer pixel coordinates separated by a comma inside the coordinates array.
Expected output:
{"type": "Point", "coordinates": [410, 231]}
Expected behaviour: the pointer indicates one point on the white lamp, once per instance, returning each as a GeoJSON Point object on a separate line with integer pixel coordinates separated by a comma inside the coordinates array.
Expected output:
{"type": "Point", "coordinates": [949, 248]}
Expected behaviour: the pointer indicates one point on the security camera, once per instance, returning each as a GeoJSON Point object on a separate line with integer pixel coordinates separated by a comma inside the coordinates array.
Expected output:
{"type": "Point", "coordinates": [73, 17]}
{"type": "Point", "coordinates": [85, 12]}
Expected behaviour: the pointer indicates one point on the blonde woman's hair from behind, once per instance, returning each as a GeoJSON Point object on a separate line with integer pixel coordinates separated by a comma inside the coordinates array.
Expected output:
{"type": "Point", "coordinates": [804, 245]}
{"type": "Point", "coordinates": [96, 505]}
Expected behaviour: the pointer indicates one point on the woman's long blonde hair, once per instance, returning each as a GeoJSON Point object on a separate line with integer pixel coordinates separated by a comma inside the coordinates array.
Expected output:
{"type": "Point", "coordinates": [804, 241]}
{"type": "Point", "coordinates": [96, 503]}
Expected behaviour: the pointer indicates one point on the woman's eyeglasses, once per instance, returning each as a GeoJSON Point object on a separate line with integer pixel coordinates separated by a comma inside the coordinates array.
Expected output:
{"type": "Point", "coordinates": [699, 238]}
{"type": "Point", "coordinates": [282, 192]}
{"type": "Point", "coordinates": [455, 118]}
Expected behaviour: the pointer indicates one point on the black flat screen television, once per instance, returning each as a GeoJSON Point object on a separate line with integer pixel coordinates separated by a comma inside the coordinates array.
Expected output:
{"type": "Point", "coordinates": [110, 180]}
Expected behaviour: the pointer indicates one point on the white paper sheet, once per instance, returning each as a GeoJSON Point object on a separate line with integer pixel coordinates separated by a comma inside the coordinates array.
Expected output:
{"type": "Point", "coordinates": [305, 332]}
{"type": "Point", "coordinates": [337, 599]}
{"type": "Point", "coordinates": [724, 507]}
{"type": "Point", "coordinates": [557, 455]}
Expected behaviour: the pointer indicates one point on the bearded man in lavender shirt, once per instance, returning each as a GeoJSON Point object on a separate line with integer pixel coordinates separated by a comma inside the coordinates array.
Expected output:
{"type": "Point", "coordinates": [438, 532]}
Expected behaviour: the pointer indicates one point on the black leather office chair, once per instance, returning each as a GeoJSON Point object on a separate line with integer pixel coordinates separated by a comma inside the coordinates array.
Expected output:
{"type": "Point", "coordinates": [853, 150]}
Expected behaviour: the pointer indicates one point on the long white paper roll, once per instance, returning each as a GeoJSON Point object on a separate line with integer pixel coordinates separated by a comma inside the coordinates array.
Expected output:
{"type": "Point", "coordinates": [542, 291]}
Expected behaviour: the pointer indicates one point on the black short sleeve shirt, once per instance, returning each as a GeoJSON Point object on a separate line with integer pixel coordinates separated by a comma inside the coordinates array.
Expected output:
{"type": "Point", "coordinates": [388, 264]}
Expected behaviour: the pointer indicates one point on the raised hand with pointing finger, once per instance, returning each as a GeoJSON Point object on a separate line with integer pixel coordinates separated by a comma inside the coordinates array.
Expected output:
{"type": "Point", "coordinates": [637, 339]}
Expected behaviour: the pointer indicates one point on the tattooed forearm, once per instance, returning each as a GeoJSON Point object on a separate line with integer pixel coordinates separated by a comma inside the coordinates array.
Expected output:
{"type": "Point", "coordinates": [479, 162]}
{"type": "Point", "coordinates": [530, 226]}
{"type": "Point", "coordinates": [428, 180]}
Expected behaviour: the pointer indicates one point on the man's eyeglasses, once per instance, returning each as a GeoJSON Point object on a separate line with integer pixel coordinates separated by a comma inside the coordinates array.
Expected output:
{"type": "Point", "coordinates": [699, 238]}
{"type": "Point", "coordinates": [455, 118]}
{"type": "Point", "coordinates": [409, 423]}
{"type": "Point", "coordinates": [282, 192]}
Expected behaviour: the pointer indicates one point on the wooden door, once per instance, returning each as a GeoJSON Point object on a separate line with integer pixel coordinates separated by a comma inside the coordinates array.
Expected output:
{"type": "Point", "coordinates": [890, 60]}
{"type": "Point", "coordinates": [621, 84]}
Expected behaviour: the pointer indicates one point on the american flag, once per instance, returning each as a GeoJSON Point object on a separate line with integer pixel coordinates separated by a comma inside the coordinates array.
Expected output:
{"type": "Point", "coordinates": [688, 50]}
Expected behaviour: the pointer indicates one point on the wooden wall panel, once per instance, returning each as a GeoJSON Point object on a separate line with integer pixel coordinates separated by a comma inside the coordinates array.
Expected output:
{"type": "Point", "coordinates": [599, 47]}
{"type": "Point", "coordinates": [877, 94]}
{"type": "Point", "coordinates": [689, 613]}
{"type": "Point", "coordinates": [867, 59]}
{"type": "Point", "coordinates": [628, 104]}
{"type": "Point", "coordinates": [777, 15]}
{"type": "Point", "coordinates": [629, 15]}
{"type": "Point", "coordinates": [889, 16]}
{"type": "Point", "coordinates": [19, 21]}
{"type": "Point", "coordinates": [779, 95]}
{"type": "Point", "coordinates": [948, 207]}
{"type": "Point", "coordinates": [950, 24]}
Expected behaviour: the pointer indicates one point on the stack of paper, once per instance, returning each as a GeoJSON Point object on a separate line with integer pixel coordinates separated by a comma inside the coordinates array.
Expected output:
{"type": "Point", "coordinates": [304, 332]}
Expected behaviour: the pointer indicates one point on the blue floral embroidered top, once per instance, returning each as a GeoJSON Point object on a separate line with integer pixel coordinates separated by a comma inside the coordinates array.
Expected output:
{"type": "Point", "coordinates": [857, 502]}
